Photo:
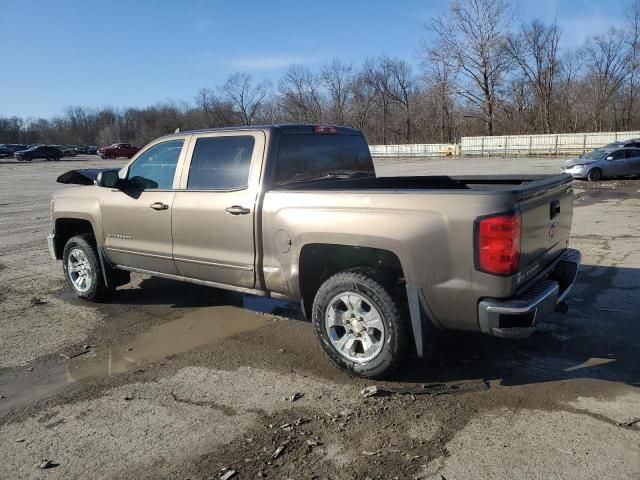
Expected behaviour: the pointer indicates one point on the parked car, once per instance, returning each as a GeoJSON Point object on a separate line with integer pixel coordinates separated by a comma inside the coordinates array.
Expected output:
{"type": "Point", "coordinates": [631, 143]}
{"type": "Point", "coordinates": [605, 163]}
{"type": "Point", "coordinates": [14, 147]}
{"type": "Point", "coordinates": [41, 151]}
{"type": "Point", "coordinates": [117, 150]}
{"type": "Point", "coordinates": [81, 149]}
{"type": "Point", "coordinates": [297, 212]}
{"type": "Point", "coordinates": [92, 150]}
{"type": "Point", "coordinates": [67, 150]}
{"type": "Point", "coordinates": [5, 152]}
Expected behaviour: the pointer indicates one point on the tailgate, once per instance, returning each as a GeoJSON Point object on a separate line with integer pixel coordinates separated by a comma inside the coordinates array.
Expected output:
{"type": "Point", "coordinates": [546, 226]}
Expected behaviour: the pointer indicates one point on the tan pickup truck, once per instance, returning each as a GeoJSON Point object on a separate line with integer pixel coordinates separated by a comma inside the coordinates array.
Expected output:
{"type": "Point", "coordinates": [297, 212]}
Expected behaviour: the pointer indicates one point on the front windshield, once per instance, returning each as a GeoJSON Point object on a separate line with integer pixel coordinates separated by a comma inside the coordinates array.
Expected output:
{"type": "Point", "coordinates": [595, 154]}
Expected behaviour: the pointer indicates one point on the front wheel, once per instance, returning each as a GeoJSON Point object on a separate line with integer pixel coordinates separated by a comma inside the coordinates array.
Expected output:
{"type": "Point", "coordinates": [82, 269]}
{"type": "Point", "coordinates": [594, 175]}
{"type": "Point", "coordinates": [361, 322]}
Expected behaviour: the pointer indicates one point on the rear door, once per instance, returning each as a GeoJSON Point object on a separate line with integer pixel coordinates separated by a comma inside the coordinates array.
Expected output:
{"type": "Point", "coordinates": [632, 162]}
{"type": "Point", "coordinates": [214, 211]}
{"type": "Point", "coordinates": [137, 222]}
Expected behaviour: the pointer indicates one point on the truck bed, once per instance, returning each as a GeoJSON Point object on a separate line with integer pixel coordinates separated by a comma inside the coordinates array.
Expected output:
{"type": "Point", "coordinates": [524, 185]}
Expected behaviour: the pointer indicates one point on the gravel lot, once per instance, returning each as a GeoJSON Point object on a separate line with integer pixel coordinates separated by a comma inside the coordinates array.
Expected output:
{"type": "Point", "coordinates": [180, 381]}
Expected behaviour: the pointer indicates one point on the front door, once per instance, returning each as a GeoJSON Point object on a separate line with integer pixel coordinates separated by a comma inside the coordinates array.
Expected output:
{"type": "Point", "coordinates": [137, 219]}
{"type": "Point", "coordinates": [214, 210]}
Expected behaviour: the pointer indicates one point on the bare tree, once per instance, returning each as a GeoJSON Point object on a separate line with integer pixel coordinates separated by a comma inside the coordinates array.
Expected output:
{"type": "Point", "coordinates": [606, 59]}
{"type": "Point", "coordinates": [301, 95]}
{"type": "Point", "coordinates": [337, 79]}
{"type": "Point", "coordinates": [472, 39]}
{"type": "Point", "coordinates": [632, 29]}
{"type": "Point", "coordinates": [245, 98]}
{"type": "Point", "coordinates": [440, 86]}
{"type": "Point", "coordinates": [535, 50]}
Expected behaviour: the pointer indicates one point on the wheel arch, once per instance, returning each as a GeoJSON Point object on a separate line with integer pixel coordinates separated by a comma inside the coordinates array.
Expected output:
{"type": "Point", "coordinates": [67, 227]}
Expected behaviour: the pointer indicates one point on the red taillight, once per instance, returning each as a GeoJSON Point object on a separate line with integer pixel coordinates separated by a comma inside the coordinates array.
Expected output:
{"type": "Point", "coordinates": [498, 244]}
{"type": "Point", "coordinates": [325, 129]}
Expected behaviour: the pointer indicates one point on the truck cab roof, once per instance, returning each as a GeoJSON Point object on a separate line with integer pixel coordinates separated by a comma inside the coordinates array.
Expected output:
{"type": "Point", "coordinates": [287, 129]}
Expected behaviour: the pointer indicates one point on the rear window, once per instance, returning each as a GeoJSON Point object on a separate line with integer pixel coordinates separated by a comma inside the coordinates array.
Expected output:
{"type": "Point", "coordinates": [315, 155]}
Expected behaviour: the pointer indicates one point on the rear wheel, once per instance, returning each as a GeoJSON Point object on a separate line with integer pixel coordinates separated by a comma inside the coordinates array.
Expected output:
{"type": "Point", "coordinates": [594, 175]}
{"type": "Point", "coordinates": [82, 269]}
{"type": "Point", "coordinates": [361, 322]}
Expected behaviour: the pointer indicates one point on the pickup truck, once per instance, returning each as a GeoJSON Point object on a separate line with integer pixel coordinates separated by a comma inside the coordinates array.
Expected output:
{"type": "Point", "coordinates": [118, 150]}
{"type": "Point", "coordinates": [297, 212]}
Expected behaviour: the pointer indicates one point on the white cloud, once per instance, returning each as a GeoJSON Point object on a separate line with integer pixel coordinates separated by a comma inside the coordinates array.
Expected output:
{"type": "Point", "coordinates": [266, 62]}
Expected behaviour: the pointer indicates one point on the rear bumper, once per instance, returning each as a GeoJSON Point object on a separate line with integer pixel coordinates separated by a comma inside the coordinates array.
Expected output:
{"type": "Point", "coordinates": [517, 317]}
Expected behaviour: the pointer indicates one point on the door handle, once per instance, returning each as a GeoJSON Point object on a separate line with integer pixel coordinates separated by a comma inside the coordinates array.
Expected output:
{"type": "Point", "coordinates": [238, 210]}
{"type": "Point", "coordinates": [159, 206]}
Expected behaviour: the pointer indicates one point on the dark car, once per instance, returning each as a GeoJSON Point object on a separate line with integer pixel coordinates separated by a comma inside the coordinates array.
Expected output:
{"type": "Point", "coordinates": [67, 150]}
{"type": "Point", "coordinates": [92, 150]}
{"type": "Point", "coordinates": [14, 147]}
{"type": "Point", "coordinates": [631, 143]}
{"type": "Point", "coordinates": [40, 151]}
{"type": "Point", "coordinates": [5, 152]}
{"type": "Point", "coordinates": [81, 149]}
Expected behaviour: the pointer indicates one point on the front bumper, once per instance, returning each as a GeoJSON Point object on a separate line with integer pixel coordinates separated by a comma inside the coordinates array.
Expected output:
{"type": "Point", "coordinates": [577, 171]}
{"type": "Point", "coordinates": [517, 317]}
{"type": "Point", "coordinates": [51, 243]}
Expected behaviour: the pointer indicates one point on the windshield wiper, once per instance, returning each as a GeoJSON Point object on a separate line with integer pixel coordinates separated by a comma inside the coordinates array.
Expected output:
{"type": "Point", "coordinates": [330, 175]}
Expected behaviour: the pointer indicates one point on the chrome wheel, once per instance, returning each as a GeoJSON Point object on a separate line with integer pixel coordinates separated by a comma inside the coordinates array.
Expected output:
{"type": "Point", "coordinates": [79, 270]}
{"type": "Point", "coordinates": [354, 327]}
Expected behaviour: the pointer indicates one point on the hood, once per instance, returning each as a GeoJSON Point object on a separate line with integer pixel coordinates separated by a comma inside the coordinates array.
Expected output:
{"type": "Point", "coordinates": [578, 161]}
{"type": "Point", "coordinates": [82, 176]}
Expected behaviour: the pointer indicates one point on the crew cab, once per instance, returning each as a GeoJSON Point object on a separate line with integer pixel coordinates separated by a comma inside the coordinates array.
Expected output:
{"type": "Point", "coordinates": [297, 212]}
{"type": "Point", "coordinates": [117, 150]}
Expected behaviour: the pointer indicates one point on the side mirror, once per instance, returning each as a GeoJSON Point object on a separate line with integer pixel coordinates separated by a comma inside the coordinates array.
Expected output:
{"type": "Point", "coordinates": [108, 179]}
{"type": "Point", "coordinates": [609, 157]}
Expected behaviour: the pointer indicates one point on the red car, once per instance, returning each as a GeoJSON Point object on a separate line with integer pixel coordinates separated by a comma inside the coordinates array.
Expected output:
{"type": "Point", "coordinates": [118, 150]}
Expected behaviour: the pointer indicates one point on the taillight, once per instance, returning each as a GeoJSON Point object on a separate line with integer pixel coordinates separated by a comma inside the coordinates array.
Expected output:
{"type": "Point", "coordinates": [498, 244]}
{"type": "Point", "coordinates": [325, 129]}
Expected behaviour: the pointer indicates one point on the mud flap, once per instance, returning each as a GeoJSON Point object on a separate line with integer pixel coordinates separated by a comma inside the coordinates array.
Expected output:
{"type": "Point", "coordinates": [112, 276]}
{"type": "Point", "coordinates": [422, 320]}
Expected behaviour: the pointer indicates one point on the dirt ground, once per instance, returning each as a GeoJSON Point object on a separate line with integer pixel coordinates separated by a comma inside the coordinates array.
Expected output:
{"type": "Point", "coordinates": [177, 381]}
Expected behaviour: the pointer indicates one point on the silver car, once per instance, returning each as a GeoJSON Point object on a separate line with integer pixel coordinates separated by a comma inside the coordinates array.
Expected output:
{"type": "Point", "coordinates": [605, 163]}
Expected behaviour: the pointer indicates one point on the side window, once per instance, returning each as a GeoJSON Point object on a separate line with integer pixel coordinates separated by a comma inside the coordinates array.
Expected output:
{"type": "Point", "coordinates": [617, 155]}
{"type": "Point", "coordinates": [632, 154]}
{"type": "Point", "coordinates": [221, 163]}
{"type": "Point", "coordinates": [156, 167]}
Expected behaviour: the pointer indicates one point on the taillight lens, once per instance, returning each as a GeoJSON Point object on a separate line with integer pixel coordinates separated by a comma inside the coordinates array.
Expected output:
{"type": "Point", "coordinates": [498, 244]}
{"type": "Point", "coordinates": [326, 129]}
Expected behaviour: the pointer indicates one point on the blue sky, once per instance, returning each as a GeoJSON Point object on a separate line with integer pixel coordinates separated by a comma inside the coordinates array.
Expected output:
{"type": "Point", "coordinates": [56, 53]}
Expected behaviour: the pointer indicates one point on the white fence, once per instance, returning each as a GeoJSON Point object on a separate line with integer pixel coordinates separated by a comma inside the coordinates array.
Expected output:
{"type": "Point", "coordinates": [414, 150]}
{"type": "Point", "coordinates": [554, 144]}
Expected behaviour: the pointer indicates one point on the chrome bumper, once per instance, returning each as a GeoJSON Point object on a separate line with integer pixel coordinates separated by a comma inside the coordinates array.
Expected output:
{"type": "Point", "coordinates": [517, 317]}
{"type": "Point", "coordinates": [51, 243]}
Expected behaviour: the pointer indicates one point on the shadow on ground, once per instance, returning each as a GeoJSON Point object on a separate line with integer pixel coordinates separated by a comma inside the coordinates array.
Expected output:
{"type": "Point", "coordinates": [596, 339]}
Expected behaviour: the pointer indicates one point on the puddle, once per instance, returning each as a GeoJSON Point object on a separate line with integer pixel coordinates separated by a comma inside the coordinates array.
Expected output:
{"type": "Point", "coordinates": [196, 328]}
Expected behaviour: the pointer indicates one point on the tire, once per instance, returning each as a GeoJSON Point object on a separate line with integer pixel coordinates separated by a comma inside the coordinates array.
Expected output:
{"type": "Point", "coordinates": [594, 175]}
{"type": "Point", "coordinates": [362, 286]}
{"type": "Point", "coordinates": [83, 252]}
